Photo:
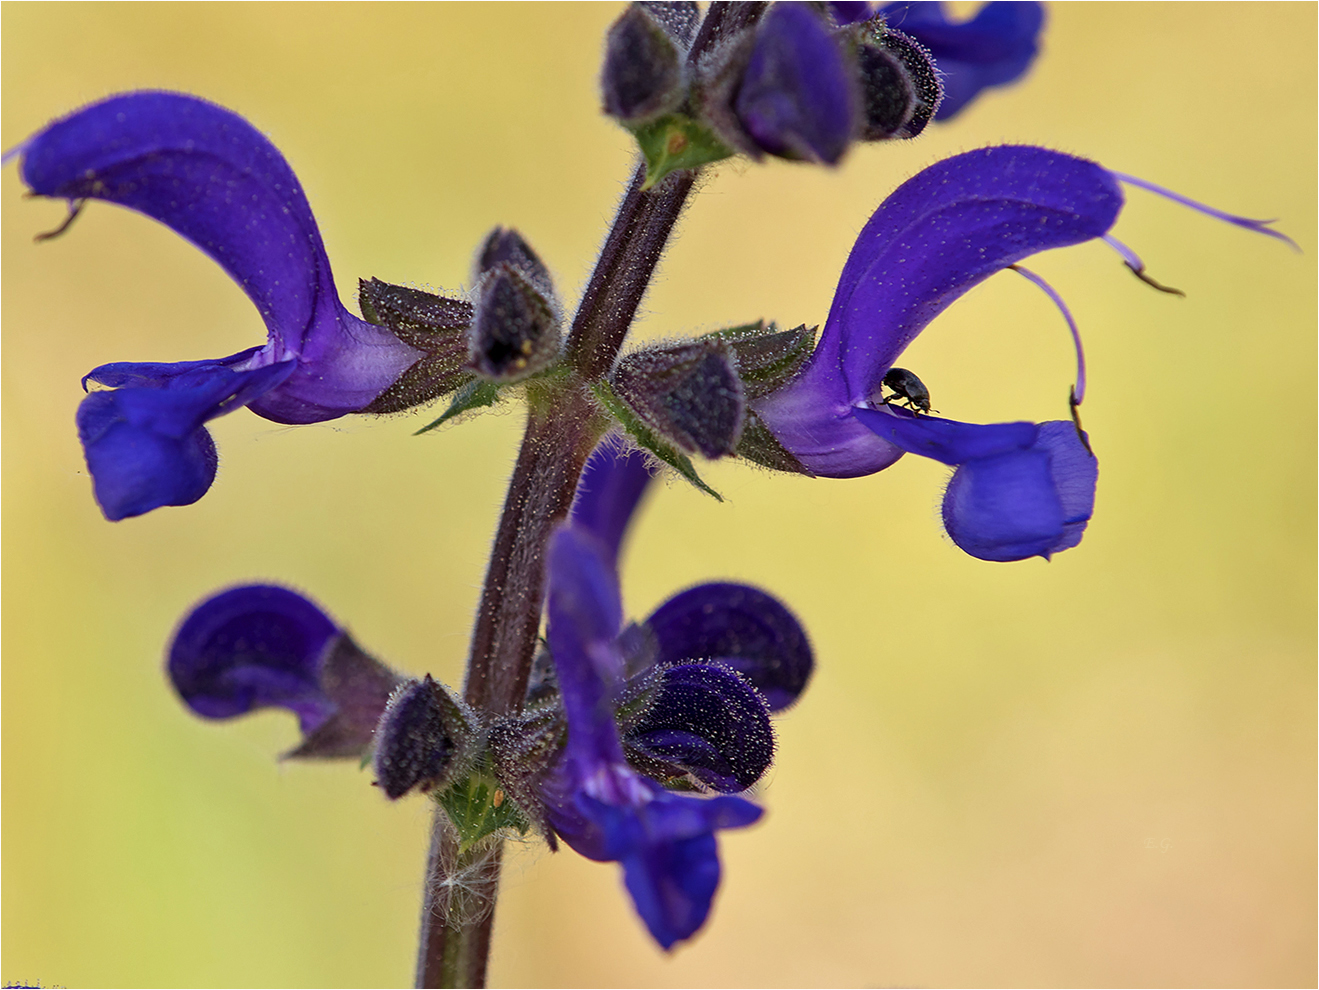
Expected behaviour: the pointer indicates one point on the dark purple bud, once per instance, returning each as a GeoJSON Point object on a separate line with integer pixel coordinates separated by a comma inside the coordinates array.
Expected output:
{"type": "Point", "coordinates": [516, 329]}
{"type": "Point", "coordinates": [739, 627]}
{"type": "Point", "coordinates": [505, 246]}
{"type": "Point", "coordinates": [900, 85]}
{"type": "Point", "coordinates": [422, 738]}
{"type": "Point", "coordinates": [262, 646]}
{"type": "Point", "coordinates": [680, 18]}
{"type": "Point", "coordinates": [689, 394]}
{"type": "Point", "coordinates": [435, 325]}
{"type": "Point", "coordinates": [643, 72]}
{"type": "Point", "coordinates": [707, 721]}
{"type": "Point", "coordinates": [798, 96]}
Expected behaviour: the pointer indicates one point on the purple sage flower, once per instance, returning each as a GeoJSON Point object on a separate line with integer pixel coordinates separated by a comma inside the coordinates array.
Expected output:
{"type": "Point", "coordinates": [263, 646]}
{"type": "Point", "coordinates": [210, 176]}
{"type": "Point", "coordinates": [1019, 489]}
{"type": "Point", "coordinates": [703, 673]}
{"type": "Point", "coordinates": [594, 800]}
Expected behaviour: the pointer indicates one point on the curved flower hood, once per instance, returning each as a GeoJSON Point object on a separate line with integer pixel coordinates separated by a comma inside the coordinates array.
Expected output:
{"type": "Point", "coordinates": [210, 176]}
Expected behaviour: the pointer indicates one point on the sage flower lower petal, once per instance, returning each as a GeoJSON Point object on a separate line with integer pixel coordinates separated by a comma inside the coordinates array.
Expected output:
{"type": "Point", "coordinates": [145, 442]}
{"type": "Point", "coordinates": [1028, 503]}
{"type": "Point", "coordinates": [1020, 490]}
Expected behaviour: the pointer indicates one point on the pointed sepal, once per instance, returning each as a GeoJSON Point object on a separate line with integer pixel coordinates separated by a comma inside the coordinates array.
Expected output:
{"type": "Point", "coordinates": [690, 394]}
{"type": "Point", "coordinates": [676, 141]}
{"type": "Point", "coordinates": [434, 324]}
{"type": "Point", "coordinates": [647, 439]}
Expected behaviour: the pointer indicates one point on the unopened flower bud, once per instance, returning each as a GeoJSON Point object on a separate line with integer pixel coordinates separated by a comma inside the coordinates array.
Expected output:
{"type": "Point", "coordinates": [900, 86]}
{"type": "Point", "coordinates": [689, 394]}
{"type": "Point", "coordinates": [506, 246]}
{"type": "Point", "coordinates": [516, 330]}
{"type": "Point", "coordinates": [423, 739]}
{"type": "Point", "coordinates": [643, 73]}
{"type": "Point", "coordinates": [680, 18]}
{"type": "Point", "coordinates": [797, 97]}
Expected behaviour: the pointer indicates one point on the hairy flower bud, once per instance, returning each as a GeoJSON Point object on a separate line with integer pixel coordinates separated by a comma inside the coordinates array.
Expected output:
{"type": "Point", "coordinates": [516, 330]}
{"type": "Point", "coordinates": [506, 246]}
{"type": "Point", "coordinates": [900, 87]}
{"type": "Point", "coordinates": [797, 96]}
{"type": "Point", "coordinates": [423, 739]}
{"type": "Point", "coordinates": [689, 394]}
{"type": "Point", "coordinates": [643, 73]}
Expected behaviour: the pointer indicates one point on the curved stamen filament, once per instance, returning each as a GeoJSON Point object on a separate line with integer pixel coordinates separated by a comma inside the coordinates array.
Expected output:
{"type": "Point", "coordinates": [1259, 226]}
{"type": "Point", "coordinates": [1078, 390]}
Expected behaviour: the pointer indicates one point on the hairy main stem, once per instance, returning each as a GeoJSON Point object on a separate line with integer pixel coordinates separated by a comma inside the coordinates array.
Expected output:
{"type": "Point", "coordinates": [456, 930]}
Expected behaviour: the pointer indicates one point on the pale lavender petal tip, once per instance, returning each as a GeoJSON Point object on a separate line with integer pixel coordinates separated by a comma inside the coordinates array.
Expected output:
{"type": "Point", "coordinates": [1258, 226]}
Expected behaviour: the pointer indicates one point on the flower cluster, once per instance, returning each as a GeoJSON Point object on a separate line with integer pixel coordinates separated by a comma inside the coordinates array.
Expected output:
{"type": "Point", "coordinates": [807, 80]}
{"type": "Point", "coordinates": [633, 743]}
{"type": "Point", "coordinates": [619, 722]}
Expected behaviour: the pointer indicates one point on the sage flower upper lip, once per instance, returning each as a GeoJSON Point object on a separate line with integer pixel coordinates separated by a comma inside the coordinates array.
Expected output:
{"type": "Point", "coordinates": [210, 176]}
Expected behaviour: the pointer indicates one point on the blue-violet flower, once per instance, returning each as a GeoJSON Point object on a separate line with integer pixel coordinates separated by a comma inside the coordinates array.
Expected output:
{"type": "Point", "coordinates": [210, 176]}
{"type": "Point", "coordinates": [702, 725]}
{"type": "Point", "coordinates": [1019, 489]}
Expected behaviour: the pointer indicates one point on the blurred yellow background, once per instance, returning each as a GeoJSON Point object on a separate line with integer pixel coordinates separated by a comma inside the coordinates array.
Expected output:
{"type": "Point", "coordinates": [1099, 771]}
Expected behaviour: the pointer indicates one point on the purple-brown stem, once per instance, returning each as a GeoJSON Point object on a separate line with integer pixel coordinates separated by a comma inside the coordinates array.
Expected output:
{"type": "Point", "coordinates": [458, 902]}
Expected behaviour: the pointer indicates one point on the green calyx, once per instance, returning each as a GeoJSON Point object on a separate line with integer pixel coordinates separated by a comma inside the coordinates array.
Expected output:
{"type": "Point", "coordinates": [479, 807]}
{"type": "Point", "coordinates": [646, 438]}
{"type": "Point", "coordinates": [476, 394]}
{"type": "Point", "coordinates": [676, 141]}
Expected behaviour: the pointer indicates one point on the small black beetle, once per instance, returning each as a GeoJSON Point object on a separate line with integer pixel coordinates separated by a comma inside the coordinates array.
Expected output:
{"type": "Point", "coordinates": [907, 388]}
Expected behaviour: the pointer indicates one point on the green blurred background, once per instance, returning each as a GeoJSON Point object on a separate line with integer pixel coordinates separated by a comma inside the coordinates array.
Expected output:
{"type": "Point", "coordinates": [1099, 771]}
